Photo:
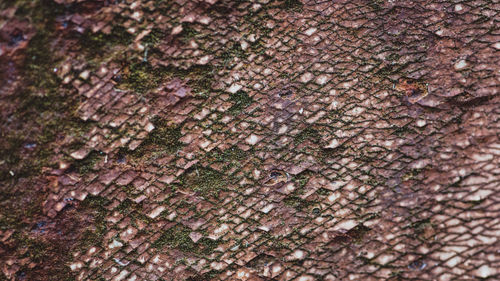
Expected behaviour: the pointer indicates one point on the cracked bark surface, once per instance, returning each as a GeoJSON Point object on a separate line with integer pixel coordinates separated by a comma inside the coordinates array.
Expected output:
{"type": "Point", "coordinates": [249, 140]}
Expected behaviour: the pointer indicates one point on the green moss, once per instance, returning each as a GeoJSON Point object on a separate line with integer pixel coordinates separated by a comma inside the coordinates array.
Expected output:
{"type": "Point", "coordinates": [141, 77]}
{"type": "Point", "coordinates": [128, 206]}
{"type": "Point", "coordinates": [231, 51]}
{"type": "Point", "coordinates": [36, 249]}
{"type": "Point", "coordinates": [308, 133]}
{"type": "Point", "coordinates": [200, 79]}
{"type": "Point", "coordinates": [229, 158]}
{"type": "Point", "coordinates": [130, 190]}
{"type": "Point", "coordinates": [211, 275]}
{"type": "Point", "coordinates": [206, 181]}
{"type": "Point", "coordinates": [44, 114]}
{"type": "Point", "coordinates": [411, 175]}
{"type": "Point", "coordinates": [178, 237]}
{"type": "Point", "coordinates": [234, 153]}
{"type": "Point", "coordinates": [41, 13]}
{"type": "Point", "coordinates": [88, 163]}
{"type": "Point", "coordinates": [275, 242]}
{"type": "Point", "coordinates": [45, 253]}
{"type": "Point", "coordinates": [302, 179]}
{"type": "Point", "coordinates": [358, 233]}
{"type": "Point", "coordinates": [323, 191]}
{"type": "Point", "coordinates": [42, 105]}
{"type": "Point", "coordinates": [294, 5]}
{"type": "Point", "coordinates": [207, 245]}
{"type": "Point", "coordinates": [99, 43]}
{"type": "Point", "coordinates": [188, 32]}
{"type": "Point", "coordinates": [96, 206]}
{"type": "Point", "coordinates": [293, 200]}
{"type": "Point", "coordinates": [9, 201]}
{"type": "Point", "coordinates": [154, 37]}
{"type": "Point", "coordinates": [386, 70]}
{"type": "Point", "coordinates": [3, 6]}
{"type": "Point", "coordinates": [421, 224]}
{"type": "Point", "coordinates": [9, 151]}
{"type": "Point", "coordinates": [38, 71]}
{"type": "Point", "coordinates": [43, 154]}
{"type": "Point", "coordinates": [240, 101]}
{"type": "Point", "coordinates": [401, 131]}
{"type": "Point", "coordinates": [164, 139]}
{"type": "Point", "coordinates": [297, 203]}
{"type": "Point", "coordinates": [393, 57]}
{"type": "Point", "coordinates": [376, 5]}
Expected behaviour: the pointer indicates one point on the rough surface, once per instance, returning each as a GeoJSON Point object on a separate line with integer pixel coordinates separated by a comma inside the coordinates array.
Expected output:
{"type": "Point", "coordinates": [249, 140]}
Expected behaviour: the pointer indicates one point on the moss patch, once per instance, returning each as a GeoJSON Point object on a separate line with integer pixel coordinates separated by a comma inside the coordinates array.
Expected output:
{"type": "Point", "coordinates": [206, 181]}
{"type": "Point", "coordinates": [128, 206]}
{"type": "Point", "coordinates": [39, 63]}
{"type": "Point", "coordinates": [231, 157]}
{"type": "Point", "coordinates": [88, 163]}
{"type": "Point", "coordinates": [42, 13]}
{"type": "Point", "coordinates": [142, 77]}
{"type": "Point", "coordinates": [99, 43]}
{"type": "Point", "coordinates": [294, 5]}
{"type": "Point", "coordinates": [44, 108]}
{"type": "Point", "coordinates": [175, 237]}
{"type": "Point", "coordinates": [178, 237]}
{"type": "Point", "coordinates": [297, 203]}
{"type": "Point", "coordinates": [96, 207]}
{"type": "Point", "coordinates": [231, 51]}
{"type": "Point", "coordinates": [293, 200]}
{"type": "Point", "coordinates": [240, 101]}
{"type": "Point", "coordinates": [308, 133]}
{"type": "Point", "coordinates": [188, 32]}
{"type": "Point", "coordinates": [154, 37]}
{"type": "Point", "coordinates": [164, 139]}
